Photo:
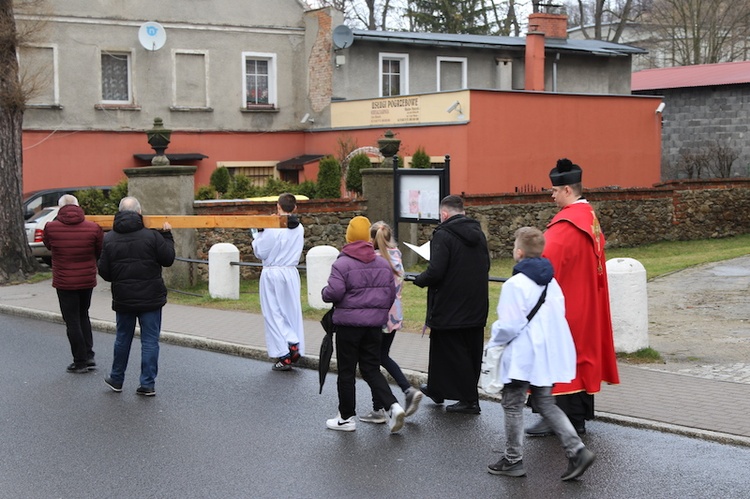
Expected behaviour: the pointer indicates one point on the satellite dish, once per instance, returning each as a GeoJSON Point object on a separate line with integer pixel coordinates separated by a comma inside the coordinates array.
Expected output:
{"type": "Point", "coordinates": [152, 35]}
{"type": "Point", "coordinates": [342, 37]}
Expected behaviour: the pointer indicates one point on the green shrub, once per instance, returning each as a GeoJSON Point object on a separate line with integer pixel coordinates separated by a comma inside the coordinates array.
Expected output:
{"type": "Point", "coordinates": [206, 192]}
{"type": "Point", "coordinates": [307, 188]}
{"type": "Point", "coordinates": [241, 187]}
{"type": "Point", "coordinates": [329, 179]}
{"type": "Point", "coordinates": [118, 192]}
{"type": "Point", "coordinates": [420, 159]}
{"type": "Point", "coordinates": [354, 174]}
{"type": "Point", "coordinates": [221, 180]}
{"type": "Point", "coordinates": [93, 201]}
{"type": "Point", "coordinates": [274, 187]}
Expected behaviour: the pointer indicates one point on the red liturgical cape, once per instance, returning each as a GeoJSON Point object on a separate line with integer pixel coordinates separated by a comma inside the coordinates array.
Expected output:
{"type": "Point", "coordinates": [575, 246]}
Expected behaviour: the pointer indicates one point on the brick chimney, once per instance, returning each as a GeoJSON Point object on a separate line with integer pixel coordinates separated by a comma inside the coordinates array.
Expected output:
{"type": "Point", "coordinates": [552, 25]}
{"type": "Point", "coordinates": [541, 26]}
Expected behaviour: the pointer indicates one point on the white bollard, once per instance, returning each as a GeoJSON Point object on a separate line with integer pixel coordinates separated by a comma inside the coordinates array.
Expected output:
{"type": "Point", "coordinates": [628, 301]}
{"type": "Point", "coordinates": [223, 278]}
{"type": "Point", "coordinates": [318, 263]}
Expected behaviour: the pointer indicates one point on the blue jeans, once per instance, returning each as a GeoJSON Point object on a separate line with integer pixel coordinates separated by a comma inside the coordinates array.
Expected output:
{"type": "Point", "coordinates": [513, 401]}
{"type": "Point", "coordinates": [150, 323]}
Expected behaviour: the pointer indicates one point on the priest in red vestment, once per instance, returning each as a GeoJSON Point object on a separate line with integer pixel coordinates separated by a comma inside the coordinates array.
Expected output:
{"type": "Point", "coordinates": [575, 246]}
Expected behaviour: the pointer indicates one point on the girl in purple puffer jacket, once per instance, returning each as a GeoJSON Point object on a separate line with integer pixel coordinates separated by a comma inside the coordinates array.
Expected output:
{"type": "Point", "coordinates": [362, 289]}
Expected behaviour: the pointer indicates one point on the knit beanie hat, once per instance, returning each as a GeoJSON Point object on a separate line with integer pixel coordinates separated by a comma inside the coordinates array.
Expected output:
{"type": "Point", "coordinates": [358, 230]}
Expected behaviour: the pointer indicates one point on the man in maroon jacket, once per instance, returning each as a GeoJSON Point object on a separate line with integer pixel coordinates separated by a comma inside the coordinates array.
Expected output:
{"type": "Point", "coordinates": [75, 245]}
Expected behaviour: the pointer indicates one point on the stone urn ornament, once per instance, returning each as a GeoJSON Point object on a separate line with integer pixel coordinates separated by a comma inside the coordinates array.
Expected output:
{"type": "Point", "coordinates": [158, 139]}
{"type": "Point", "coordinates": [388, 147]}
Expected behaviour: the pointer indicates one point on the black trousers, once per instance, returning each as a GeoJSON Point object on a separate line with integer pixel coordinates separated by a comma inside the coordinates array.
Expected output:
{"type": "Point", "coordinates": [455, 363]}
{"type": "Point", "coordinates": [74, 305]}
{"type": "Point", "coordinates": [360, 345]}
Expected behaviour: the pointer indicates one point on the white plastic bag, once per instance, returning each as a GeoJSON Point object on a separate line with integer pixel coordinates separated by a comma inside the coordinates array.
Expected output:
{"type": "Point", "coordinates": [489, 379]}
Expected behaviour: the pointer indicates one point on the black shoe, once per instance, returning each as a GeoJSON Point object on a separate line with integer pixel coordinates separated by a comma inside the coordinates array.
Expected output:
{"type": "Point", "coordinates": [503, 467]}
{"type": "Point", "coordinates": [77, 368]}
{"type": "Point", "coordinates": [437, 400]}
{"type": "Point", "coordinates": [146, 392]}
{"type": "Point", "coordinates": [91, 365]}
{"type": "Point", "coordinates": [464, 407]}
{"type": "Point", "coordinates": [578, 464]}
{"type": "Point", "coordinates": [115, 386]}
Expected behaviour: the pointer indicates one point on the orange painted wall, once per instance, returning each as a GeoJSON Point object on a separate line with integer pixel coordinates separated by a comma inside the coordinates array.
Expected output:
{"type": "Point", "coordinates": [69, 159]}
{"type": "Point", "coordinates": [512, 139]}
{"type": "Point", "coordinates": [516, 138]}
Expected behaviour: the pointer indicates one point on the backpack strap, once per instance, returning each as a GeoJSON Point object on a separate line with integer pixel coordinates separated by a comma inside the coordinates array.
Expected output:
{"type": "Point", "coordinates": [538, 304]}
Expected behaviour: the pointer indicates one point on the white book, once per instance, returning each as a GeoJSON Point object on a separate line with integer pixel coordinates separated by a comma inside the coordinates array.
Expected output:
{"type": "Point", "coordinates": [423, 251]}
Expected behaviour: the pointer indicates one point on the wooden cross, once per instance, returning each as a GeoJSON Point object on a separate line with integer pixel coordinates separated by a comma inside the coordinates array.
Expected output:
{"type": "Point", "coordinates": [200, 221]}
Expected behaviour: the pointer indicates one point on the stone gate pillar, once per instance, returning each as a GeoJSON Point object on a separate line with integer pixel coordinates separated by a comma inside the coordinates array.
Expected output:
{"type": "Point", "coordinates": [169, 190]}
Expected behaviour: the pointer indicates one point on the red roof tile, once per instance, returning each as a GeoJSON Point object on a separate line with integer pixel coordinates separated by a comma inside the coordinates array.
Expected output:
{"type": "Point", "coordinates": [702, 75]}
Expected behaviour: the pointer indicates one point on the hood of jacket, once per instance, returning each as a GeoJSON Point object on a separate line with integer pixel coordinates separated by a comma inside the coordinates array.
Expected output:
{"type": "Point", "coordinates": [537, 269]}
{"type": "Point", "coordinates": [292, 222]}
{"type": "Point", "coordinates": [127, 221]}
{"type": "Point", "coordinates": [466, 229]}
{"type": "Point", "coordinates": [71, 214]}
{"type": "Point", "coordinates": [360, 250]}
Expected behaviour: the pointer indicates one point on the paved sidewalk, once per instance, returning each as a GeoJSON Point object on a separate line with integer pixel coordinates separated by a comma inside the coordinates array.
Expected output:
{"type": "Point", "coordinates": [665, 401]}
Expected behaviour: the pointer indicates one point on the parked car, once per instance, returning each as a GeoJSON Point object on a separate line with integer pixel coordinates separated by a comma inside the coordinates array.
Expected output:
{"type": "Point", "coordinates": [35, 231]}
{"type": "Point", "coordinates": [34, 202]}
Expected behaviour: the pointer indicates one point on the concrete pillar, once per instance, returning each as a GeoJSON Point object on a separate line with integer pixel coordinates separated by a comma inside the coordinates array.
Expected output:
{"type": "Point", "coordinates": [223, 277]}
{"type": "Point", "coordinates": [318, 263]}
{"type": "Point", "coordinates": [628, 301]}
{"type": "Point", "coordinates": [169, 190]}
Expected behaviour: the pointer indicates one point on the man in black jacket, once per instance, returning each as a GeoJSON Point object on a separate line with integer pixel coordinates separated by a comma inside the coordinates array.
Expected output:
{"type": "Point", "coordinates": [132, 259]}
{"type": "Point", "coordinates": [457, 306]}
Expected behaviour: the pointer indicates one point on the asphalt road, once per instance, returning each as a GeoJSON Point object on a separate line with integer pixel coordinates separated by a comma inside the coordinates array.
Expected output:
{"type": "Point", "coordinates": [223, 426]}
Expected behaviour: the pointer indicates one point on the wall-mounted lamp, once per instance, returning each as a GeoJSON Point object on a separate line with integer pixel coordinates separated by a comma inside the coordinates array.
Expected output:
{"type": "Point", "coordinates": [453, 107]}
{"type": "Point", "coordinates": [307, 119]}
{"type": "Point", "coordinates": [660, 109]}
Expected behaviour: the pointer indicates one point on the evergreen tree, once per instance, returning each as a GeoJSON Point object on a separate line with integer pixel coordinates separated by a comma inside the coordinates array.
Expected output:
{"type": "Point", "coordinates": [329, 178]}
{"type": "Point", "coordinates": [420, 159]}
{"type": "Point", "coordinates": [220, 179]}
{"type": "Point", "coordinates": [449, 16]}
{"type": "Point", "coordinates": [354, 174]}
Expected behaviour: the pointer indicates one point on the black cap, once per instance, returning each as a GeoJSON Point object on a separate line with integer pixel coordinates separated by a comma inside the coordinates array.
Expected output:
{"type": "Point", "coordinates": [565, 173]}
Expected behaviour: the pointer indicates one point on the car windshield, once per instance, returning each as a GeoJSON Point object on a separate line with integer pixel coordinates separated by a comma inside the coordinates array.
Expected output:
{"type": "Point", "coordinates": [43, 213]}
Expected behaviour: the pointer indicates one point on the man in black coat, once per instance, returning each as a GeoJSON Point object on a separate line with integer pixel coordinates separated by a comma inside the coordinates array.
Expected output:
{"type": "Point", "coordinates": [132, 259]}
{"type": "Point", "coordinates": [457, 306]}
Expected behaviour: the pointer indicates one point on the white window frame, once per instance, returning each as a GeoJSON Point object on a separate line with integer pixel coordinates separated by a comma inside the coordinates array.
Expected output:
{"type": "Point", "coordinates": [272, 78]}
{"type": "Point", "coordinates": [131, 76]}
{"type": "Point", "coordinates": [464, 71]}
{"type": "Point", "coordinates": [177, 52]}
{"type": "Point", "coordinates": [404, 59]}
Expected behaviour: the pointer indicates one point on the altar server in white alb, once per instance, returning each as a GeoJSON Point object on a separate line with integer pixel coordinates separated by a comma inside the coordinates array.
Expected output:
{"type": "Point", "coordinates": [539, 352]}
{"type": "Point", "coordinates": [280, 251]}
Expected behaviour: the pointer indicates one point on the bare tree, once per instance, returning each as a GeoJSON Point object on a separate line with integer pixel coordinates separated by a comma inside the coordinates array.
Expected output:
{"type": "Point", "coordinates": [603, 19]}
{"type": "Point", "coordinates": [367, 14]}
{"type": "Point", "coordinates": [16, 263]}
{"type": "Point", "coordinates": [701, 31]}
{"type": "Point", "coordinates": [722, 157]}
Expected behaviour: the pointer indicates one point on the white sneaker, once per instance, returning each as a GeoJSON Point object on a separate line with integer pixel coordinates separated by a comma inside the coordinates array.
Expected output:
{"type": "Point", "coordinates": [395, 417]}
{"type": "Point", "coordinates": [374, 416]}
{"type": "Point", "coordinates": [341, 424]}
{"type": "Point", "coordinates": [413, 398]}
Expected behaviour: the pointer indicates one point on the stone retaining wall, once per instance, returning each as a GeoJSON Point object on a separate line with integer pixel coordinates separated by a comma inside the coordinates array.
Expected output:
{"type": "Point", "coordinates": [680, 210]}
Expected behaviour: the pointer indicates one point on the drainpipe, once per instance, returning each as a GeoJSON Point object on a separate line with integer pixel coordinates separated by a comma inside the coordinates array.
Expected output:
{"type": "Point", "coordinates": [554, 72]}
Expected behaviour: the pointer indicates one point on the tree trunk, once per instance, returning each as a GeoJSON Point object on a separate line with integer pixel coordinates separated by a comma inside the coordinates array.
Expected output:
{"type": "Point", "coordinates": [16, 262]}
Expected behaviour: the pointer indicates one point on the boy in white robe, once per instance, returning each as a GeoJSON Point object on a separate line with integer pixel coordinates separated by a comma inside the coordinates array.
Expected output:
{"type": "Point", "coordinates": [539, 352]}
{"type": "Point", "coordinates": [280, 289]}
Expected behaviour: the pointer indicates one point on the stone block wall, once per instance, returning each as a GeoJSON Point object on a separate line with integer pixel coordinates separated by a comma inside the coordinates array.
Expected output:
{"type": "Point", "coordinates": [694, 117]}
{"type": "Point", "coordinates": [681, 210]}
